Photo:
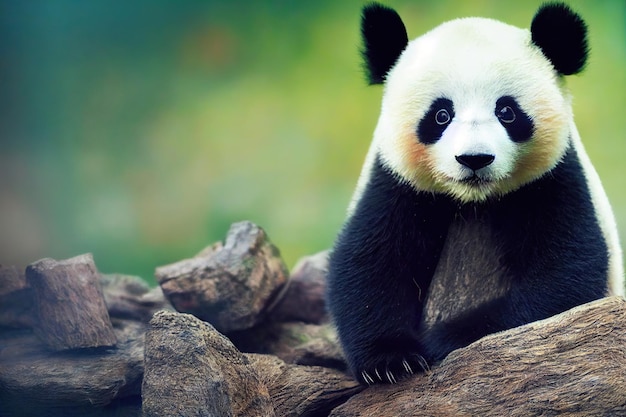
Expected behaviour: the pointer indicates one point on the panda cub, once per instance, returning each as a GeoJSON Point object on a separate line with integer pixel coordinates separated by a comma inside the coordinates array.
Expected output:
{"type": "Point", "coordinates": [477, 209]}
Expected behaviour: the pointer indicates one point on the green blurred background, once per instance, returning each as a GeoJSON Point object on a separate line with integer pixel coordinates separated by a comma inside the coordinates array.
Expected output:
{"type": "Point", "coordinates": [139, 131]}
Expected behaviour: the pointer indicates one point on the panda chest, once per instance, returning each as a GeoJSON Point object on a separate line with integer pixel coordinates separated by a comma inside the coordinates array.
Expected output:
{"type": "Point", "coordinates": [470, 271]}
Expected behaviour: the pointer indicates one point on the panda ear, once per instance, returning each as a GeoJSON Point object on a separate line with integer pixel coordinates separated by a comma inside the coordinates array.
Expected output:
{"type": "Point", "coordinates": [384, 39]}
{"type": "Point", "coordinates": [562, 36]}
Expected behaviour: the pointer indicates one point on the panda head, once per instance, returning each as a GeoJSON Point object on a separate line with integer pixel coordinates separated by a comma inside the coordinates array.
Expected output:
{"type": "Point", "coordinates": [475, 108]}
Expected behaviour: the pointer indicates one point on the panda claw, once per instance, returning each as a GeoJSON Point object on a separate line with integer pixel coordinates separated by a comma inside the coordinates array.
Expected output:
{"type": "Point", "coordinates": [367, 378]}
{"type": "Point", "coordinates": [407, 367]}
{"type": "Point", "coordinates": [423, 363]}
{"type": "Point", "coordinates": [392, 370]}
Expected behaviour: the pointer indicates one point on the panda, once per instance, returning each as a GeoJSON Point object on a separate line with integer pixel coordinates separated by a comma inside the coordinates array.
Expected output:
{"type": "Point", "coordinates": [477, 209]}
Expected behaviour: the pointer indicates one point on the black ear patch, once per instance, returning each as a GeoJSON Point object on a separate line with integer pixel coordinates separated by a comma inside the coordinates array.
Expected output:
{"type": "Point", "coordinates": [562, 36]}
{"type": "Point", "coordinates": [384, 39]}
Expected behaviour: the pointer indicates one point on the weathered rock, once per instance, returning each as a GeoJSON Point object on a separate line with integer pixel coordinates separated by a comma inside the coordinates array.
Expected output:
{"type": "Point", "coordinates": [16, 299]}
{"type": "Point", "coordinates": [304, 299]}
{"type": "Point", "coordinates": [294, 343]}
{"type": "Point", "coordinates": [83, 382]}
{"type": "Point", "coordinates": [573, 364]}
{"type": "Point", "coordinates": [130, 297]}
{"type": "Point", "coordinates": [11, 280]}
{"type": "Point", "coordinates": [230, 286]}
{"type": "Point", "coordinates": [305, 391]}
{"type": "Point", "coordinates": [69, 305]}
{"type": "Point", "coordinates": [192, 370]}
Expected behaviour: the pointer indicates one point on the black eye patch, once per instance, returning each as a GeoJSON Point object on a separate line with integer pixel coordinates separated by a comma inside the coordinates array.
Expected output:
{"type": "Point", "coordinates": [516, 122]}
{"type": "Point", "coordinates": [435, 121]}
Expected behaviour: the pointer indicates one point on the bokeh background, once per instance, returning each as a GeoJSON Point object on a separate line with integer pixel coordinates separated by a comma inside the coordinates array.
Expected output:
{"type": "Point", "coordinates": [139, 131]}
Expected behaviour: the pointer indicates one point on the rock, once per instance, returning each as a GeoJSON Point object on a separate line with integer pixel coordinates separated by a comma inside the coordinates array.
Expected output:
{"type": "Point", "coordinates": [305, 297]}
{"type": "Point", "coordinates": [81, 382]}
{"type": "Point", "coordinates": [294, 343]}
{"type": "Point", "coordinates": [16, 299]}
{"type": "Point", "coordinates": [129, 297]}
{"type": "Point", "coordinates": [193, 370]}
{"type": "Point", "coordinates": [230, 285]}
{"type": "Point", "coordinates": [69, 305]}
{"type": "Point", "coordinates": [304, 391]}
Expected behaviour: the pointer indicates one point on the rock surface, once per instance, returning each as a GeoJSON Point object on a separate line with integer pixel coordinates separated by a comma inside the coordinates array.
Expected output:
{"type": "Point", "coordinates": [231, 285]}
{"type": "Point", "coordinates": [193, 370]}
{"type": "Point", "coordinates": [70, 311]}
{"type": "Point", "coordinates": [35, 380]}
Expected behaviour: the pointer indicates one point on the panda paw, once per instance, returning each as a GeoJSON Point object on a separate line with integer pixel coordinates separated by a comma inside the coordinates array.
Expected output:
{"type": "Point", "coordinates": [390, 368]}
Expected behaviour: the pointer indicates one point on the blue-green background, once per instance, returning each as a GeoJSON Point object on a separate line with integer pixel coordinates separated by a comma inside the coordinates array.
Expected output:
{"type": "Point", "coordinates": [140, 130]}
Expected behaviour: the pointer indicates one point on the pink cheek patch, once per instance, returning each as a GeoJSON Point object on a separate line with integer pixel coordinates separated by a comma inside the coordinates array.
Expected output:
{"type": "Point", "coordinates": [418, 161]}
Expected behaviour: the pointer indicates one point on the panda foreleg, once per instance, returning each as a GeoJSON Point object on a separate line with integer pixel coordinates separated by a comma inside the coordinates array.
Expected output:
{"type": "Point", "coordinates": [376, 309]}
{"type": "Point", "coordinates": [380, 269]}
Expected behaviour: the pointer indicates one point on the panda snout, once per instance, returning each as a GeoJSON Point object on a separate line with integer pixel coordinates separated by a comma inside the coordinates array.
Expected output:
{"type": "Point", "coordinates": [476, 161]}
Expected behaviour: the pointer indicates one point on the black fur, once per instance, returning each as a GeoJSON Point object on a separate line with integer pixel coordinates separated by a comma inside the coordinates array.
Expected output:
{"type": "Point", "coordinates": [553, 252]}
{"type": "Point", "coordinates": [384, 39]}
{"type": "Point", "coordinates": [521, 128]}
{"type": "Point", "coordinates": [428, 130]}
{"type": "Point", "coordinates": [562, 36]}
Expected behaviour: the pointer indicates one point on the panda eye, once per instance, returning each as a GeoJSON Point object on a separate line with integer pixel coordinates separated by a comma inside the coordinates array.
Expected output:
{"type": "Point", "coordinates": [506, 114]}
{"type": "Point", "coordinates": [515, 121]}
{"type": "Point", "coordinates": [442, 117]}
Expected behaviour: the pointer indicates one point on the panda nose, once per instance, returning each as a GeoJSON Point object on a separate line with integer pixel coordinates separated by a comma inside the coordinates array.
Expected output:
{"type": "Point", "coordinates": [475, 162]}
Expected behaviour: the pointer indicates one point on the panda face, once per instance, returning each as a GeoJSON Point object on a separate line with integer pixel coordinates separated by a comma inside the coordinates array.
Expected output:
{"type": "Point", "coordinates": [474, 150]}
{"type": "Point", "coordinates": [474, 110]}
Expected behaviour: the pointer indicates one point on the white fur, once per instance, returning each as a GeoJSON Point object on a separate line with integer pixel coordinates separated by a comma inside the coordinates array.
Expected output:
{"type": "Point", "coordinates": [363, 178]}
